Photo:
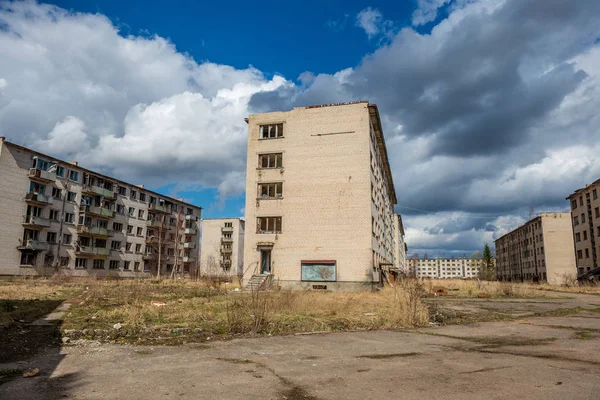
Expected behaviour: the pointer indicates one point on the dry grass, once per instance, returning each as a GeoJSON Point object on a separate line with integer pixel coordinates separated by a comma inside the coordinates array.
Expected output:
{"type": "Point", "coordinates": [494, 289]}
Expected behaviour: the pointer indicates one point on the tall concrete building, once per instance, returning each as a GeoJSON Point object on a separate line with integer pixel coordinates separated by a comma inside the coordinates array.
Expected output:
{"type": "Point", "coordinates": [444, 268]}
{"type": "Point", "coordinates": [319, 198]}
{"type": "Point", "coordinates": [400, 246]}
{"type": "Point", "coordinates": [222, 247]}
{"type": "Point", "coordinates": [585, 216]}
{"type": "Point", "coordinates": [540, 250]}
{"type": "Point", "coordinates": [58, 215]}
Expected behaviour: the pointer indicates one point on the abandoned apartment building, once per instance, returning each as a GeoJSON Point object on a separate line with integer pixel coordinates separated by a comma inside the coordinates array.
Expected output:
{"type": "Point", "coordinates": [57, 215]}
{"type": "Point", "coordinates": [444, 267]}
{"type": "Point", "coordinates": [540, 250]}
{"type": "Point", "coordinates": [319, 199]}
{"type": "Point", "coordinates": [222, 247]}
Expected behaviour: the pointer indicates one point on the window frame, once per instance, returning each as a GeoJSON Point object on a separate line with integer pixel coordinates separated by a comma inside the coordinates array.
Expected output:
{"type": "Point", "coordinates": [268, 185]}
{"type": "Point", "coordinates": [277, 223]}
{"type": "Point", "coordinates": [278, 133]}
{"type": "Point", "coordinates": [275, 158]}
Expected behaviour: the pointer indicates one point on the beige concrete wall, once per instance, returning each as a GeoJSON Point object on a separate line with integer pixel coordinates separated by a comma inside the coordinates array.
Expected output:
{"type": "Point", "coordinates": [587, 201]}
{"type": "Point", "coordinates": [558, 247]}
{"type": "Point", "coordinates": [211, 246]}
{"type": "Point", "coordinates": [326, 207]}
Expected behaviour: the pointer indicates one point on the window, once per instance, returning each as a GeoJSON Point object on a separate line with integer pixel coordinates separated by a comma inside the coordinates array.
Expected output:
{"type": "Point", "coordinates": [580, 201]}
{"type": "Point", "coordinates": [587, 253]}
{"type": "Point", "coordinates": [127, 246]}
{"type": "Point", "coordinates": [129, 229]}
{"type": "Point", "coordinates": [84, 241]}
{"type": "Point", "coordinates": [273, 160]}
{"type": "Point", "coordinates": [575, 220]}
{"type": "Point", "coordinates": [115, 245]}
{"type": "Point", "coordinates": [271, 131]}
{"type": "Point", "coordinates": [136, 266]}
{"type": "Point", "coordinates": [138, 248]}
{"type": "Point", "coordinates": [102, 224]}
{"type": "Point", "coordinates": [133, 195]}
{"type": "Point", "coordinates": [131, 212]}
{"type": "Point", "coordinates": [599, 231]}
{"type": "Point", "coordinates": [56, 193]}
{"type": "Point", "coordinates": [74, 176]}
{"type": "Point", "coordinates": [64, 261]}
{"type": "Point", "coordinates": [573, 204]}
{"type": "Point", "coordinates": [55, 215]}
{"type": "Point", "coordinates": [270, 190]}
{"type": "Point", "coordinates": [174, 207]}
{"type": "Point", "coordinates": [72, 196]}
{"type": "Point", "coordinates": [122, 190]}
{"type": "Point", "coordinates": [142, 196]}
{"type": "Point", "coordinates": [268, 225]}
{"type": "Point", "coordinates": [140, 231]}
{"type": "Point", "coordinates": [81, 263]}
{"type": "Point", "coordinates": [597, 211]}
{"type": "Point", "coordinates": [126, 264]}
{"type": "Point", "coordinates": [584, 235]}
{"type": "Point", "coordinates": [141, 214]}
{"type": "Point", "coordinates": [60, 172]}
{"type": "Point", "coordinates": [98, 264]}
{"type": "Point", "coordinates": [117, 226]}
{"type": "Point", "coordinates": [578, 237]}
{"type": "Point", "coordinates": [51, 237]}
{"type": "Point", "coordinates": [113, 264]}
{"type": "Point", "coordinates": [579, 254]}
{"type": "Point", "coordinates": [582, 218]}
{"type": "Point", "coordinates": [67, 238]}
{"type": "Point", "coordinates": [229, 225]}
{"type": "Point", "coordinates": [121, 209]}
{"type": "Point", "coordinates": [69, 218]}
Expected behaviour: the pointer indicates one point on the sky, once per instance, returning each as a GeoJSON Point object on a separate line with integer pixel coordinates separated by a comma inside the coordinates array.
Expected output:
{"type": "Point", "coordinates": [489, 107]}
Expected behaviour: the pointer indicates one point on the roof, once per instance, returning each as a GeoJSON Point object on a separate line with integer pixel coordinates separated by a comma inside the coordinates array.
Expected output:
{"type": "Point", "coordinates": [57, 160]}
{"type": "Point", "coordinates": [596, 182]}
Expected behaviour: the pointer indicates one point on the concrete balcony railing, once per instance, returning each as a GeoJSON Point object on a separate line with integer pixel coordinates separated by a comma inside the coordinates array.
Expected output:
{"type": "Point", "coordinates": [190, 231]}
{"type": "Point", "coordinates": [226, 240]}
{"type": "Point", "coordinates": [35, 245]}
{"type": "Point", "coordinates": [98, 211]}
{"type": "Point", "coordinates": [152, 223]}
{"type": "Point", "coordinates": [97, 190]}
{"type": "Point", "coordinates": [225, 250]}
{"type": "Point", "coordinates": [189, 245]}
{"type": "Point", "coordinates": [33, 221]}
{"type": "Point", "coordinates": [159, 208]}
{"type": "Point", "coordinates": [188, 259]}
{"type": "Point", "coordinates": [41, 175]}
{"type": "Point", "coordinates": [93, 230]}
{"type": "Point", "coordinates": [94, 251]}
{"type": "Point", "coordinates": [227, 229]}
{"type": "Point", "coordinates": [38, 198]}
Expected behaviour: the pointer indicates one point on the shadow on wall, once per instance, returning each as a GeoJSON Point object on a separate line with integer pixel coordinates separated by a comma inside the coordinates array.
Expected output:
{"type": "Point", "coordinates": [25, 347]}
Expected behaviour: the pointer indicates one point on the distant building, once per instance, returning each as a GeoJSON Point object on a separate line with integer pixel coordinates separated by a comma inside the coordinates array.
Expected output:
{"type": "Point", "coordinates": [585, 216]}
{"type": "Point", "coordinates": [400, 247]}
{"type": "Point", "coordinates": [444, 268]}
{"type": "Point", "coordinates": [56, 215]}
{"type": "Point", "coordinates": [222, 246]}
{"type": "Point", "coordinates": [541, 250]}
{"type": "Point", "coordinates": [319, 198]}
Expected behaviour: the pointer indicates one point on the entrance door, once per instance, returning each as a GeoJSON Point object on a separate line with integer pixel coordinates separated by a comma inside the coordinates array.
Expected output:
{"type": "Point", "coordinates": [265, 261]}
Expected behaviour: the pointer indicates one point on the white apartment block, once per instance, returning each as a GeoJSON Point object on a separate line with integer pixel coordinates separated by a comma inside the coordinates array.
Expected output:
{"type": "Point", "coordinates": [222, 247]}
{"type": "Point", "coordinates": [58, 216]}
{"type": "Point", "coordinates": [319, 198]}
{"type": "Point", "coordinates": [400, 247]}
{"type": "Point", "coordinates": [445, 268]}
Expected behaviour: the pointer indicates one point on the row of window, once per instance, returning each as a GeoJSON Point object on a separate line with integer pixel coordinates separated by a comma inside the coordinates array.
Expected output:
{"type": "Point", "coordinates": [112, 264]}
{"type": "Point", "coordinates": [587, 195]}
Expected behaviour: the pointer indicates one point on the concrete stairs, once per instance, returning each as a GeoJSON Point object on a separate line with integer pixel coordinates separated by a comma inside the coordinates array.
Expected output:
{"type": "Point", "coordinates": [257, 283]}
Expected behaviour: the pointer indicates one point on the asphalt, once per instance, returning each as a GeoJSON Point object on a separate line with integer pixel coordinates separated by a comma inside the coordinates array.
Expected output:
{"type": "Point", "coordinates": [534, 357]}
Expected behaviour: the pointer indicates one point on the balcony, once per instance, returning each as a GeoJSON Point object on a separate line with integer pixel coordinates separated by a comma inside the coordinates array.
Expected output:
{"type": "Point", "coordinates": [93, 251]}
{"type": "Point", "coordinates": [151, 223]}
{"type": "Point", "coordinates": [38, 199]}
{"type": "Point", "coordinates": [40, 175]}
{"type": "Point", "coordinates": [189, 245]}
{"type": "Point", "coordinates": [97, 190]}
{"type": "Point", "coordinates": [190, 231]}
{"type": "Point", "coordinates": [93, 231]}
{"type": "Point", "coordinates": [149, 256]}
{"type": "Point", "coordinates": [98, 211]}
{"type": "Point", "coordinates": [159, 208]}
{"type": "Point", "coordinates": [34, 245]}
{"type": "Point", "coordinates": [226, 240]}
{"type": "Point", "coordinates": [190, 217]}
{"type": "Point", "coordinates": [227, 229]}
{"type": "Point", "coordinates": [226, 250]}
{"type": "Point", "coordinates": [188, 259]}
{"type": "Point", "coordinates": [31, 221]}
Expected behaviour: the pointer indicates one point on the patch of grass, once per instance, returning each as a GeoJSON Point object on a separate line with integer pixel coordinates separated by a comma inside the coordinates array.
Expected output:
{"type": "Point", "coordinates": [583, 335]}
{"type": "Point", "coordinates": [8, 374]}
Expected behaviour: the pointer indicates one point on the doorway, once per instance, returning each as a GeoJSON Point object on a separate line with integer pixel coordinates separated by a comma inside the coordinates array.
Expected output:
{"type": "Point", "coordinates": [265, 262]}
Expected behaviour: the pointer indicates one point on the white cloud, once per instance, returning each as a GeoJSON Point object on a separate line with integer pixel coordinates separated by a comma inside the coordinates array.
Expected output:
{"type": "Point", "coordinates": [427, 11]}
{"type": "Point", "coordinates": [67, 137]}
{"type": "Point", "coordinates": [370, 20]}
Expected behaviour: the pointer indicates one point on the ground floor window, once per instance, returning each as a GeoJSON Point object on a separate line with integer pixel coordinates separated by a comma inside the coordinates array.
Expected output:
{"type": "Point", "coordinates": [319, 270]}
{"type": "Point", "coordinates": [81, 263]}
{"type": "Point", "coordinates": [28, 258]}
{"type": "Point", "coordinates": [98, 264]}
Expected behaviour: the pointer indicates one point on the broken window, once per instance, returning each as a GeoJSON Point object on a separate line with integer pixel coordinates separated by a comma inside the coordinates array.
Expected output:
{"type": "Point", "coordinates": [273, 160]}
{"type": "Point", "coordinates": [269, 225]}
{"type": "Point", "coordinates": [98, 264]}
{"type": "Point", "coordinates": [270, 190]}
{"type": "Point", "coordinates": [81, 263]}
{"type": "Point", "coordinates": [271, 131]}
{"type": "Point", "coordinates": [28, 258]}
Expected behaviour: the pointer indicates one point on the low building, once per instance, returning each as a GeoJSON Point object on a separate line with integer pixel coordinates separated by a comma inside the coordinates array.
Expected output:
{"type": "Point", "coordinates": [57, 215]}
{"type": "Point", "coordinates": [540, 250]}
{"type": "Point", "coordinates": [319, 198]}
{"type": "Point", "coordinates": [585, 217]}
{"type": "Point", "coordinates": [222, 247]}
{"type": "Point", "coordinates": [444, 268]}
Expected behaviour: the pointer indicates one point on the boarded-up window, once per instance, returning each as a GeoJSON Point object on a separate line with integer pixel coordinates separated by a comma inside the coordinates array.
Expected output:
{"type": "Point", "coordinates": [268, 225]}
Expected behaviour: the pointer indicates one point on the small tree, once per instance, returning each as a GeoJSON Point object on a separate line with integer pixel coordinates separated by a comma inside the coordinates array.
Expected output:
{"type": "Point", "coordinates": [487, 268]}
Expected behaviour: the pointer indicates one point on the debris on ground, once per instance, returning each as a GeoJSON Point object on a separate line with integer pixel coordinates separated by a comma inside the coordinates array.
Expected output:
{"type": "Point", "coordinates": [117, 326]}
{"type": "Point", "coordinates": [483, 295]}
{"type": "Point", "coordinates": [370, 314]}
{"type": "Point", "coordinates": [438, 291]}
{"type": "Point", "coordinates": [159, 303]}
{"type": "Point", "coordinates": [31, 372]}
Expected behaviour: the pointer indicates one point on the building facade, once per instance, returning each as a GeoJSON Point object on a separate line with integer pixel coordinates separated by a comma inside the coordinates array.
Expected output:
{"type": "Point", "coordinates": [222, 247]}
{"type": "Point", "coordinates": [319, 198]}
{"type": "Point", "coordinates": [585, 217]}
{"type": "Point", "coordinates": [57, 215]}
{"type": "Point", "coordinates": [400, 246]}
{"type": "Point", "coordinates": [540, 250]}
{"type": "Point", "coordinates": [444, 268]}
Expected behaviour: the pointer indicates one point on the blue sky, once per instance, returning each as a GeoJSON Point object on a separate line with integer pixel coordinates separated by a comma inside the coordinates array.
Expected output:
{"type": "Point", "coordinates": [489, 107]}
